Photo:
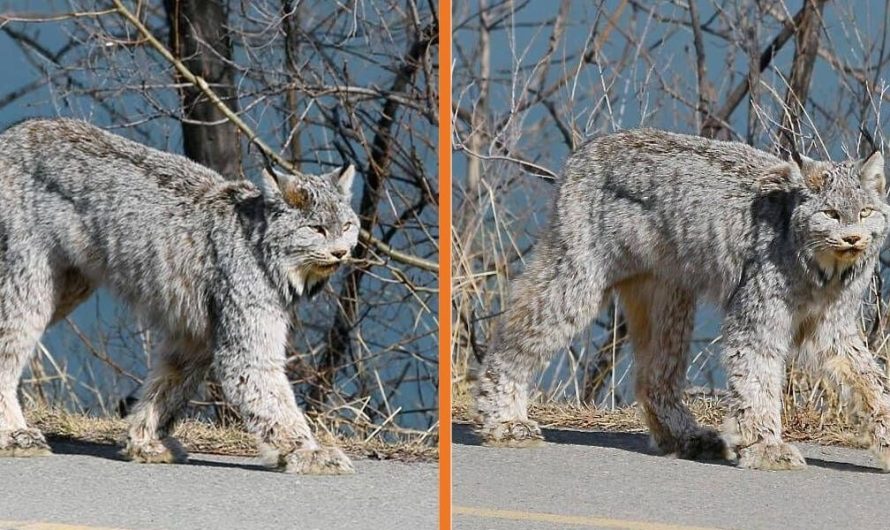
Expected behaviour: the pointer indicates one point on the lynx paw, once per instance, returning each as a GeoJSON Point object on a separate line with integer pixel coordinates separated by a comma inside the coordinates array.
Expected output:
{"type": "Point", "coordinates": [166, 451]}
{"type": "Point", "coordinates": [882, 454]}
{"type": "Point", "coordinates": [23, 443]}
{"type": "Point", "coordinates": [771, 456]}
{"type": "Point", "coordinates": [516, 433]}
{"type": "Point", "coordinates": [323, 461]}
{"type": "Point", "coordinates": [704, 444]}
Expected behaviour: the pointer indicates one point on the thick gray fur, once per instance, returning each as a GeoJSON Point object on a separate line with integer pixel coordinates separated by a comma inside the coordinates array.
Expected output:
{"type": "Point", "coordinates": [664, 220]}
{"type": "Point", "coordinates": [216, 265]}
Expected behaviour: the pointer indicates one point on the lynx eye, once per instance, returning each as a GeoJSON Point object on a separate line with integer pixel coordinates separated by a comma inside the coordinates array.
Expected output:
{"type": "Point", "coordinates": [866, 212]}
{"type": "Point", "coordinates": [831, 214]}
{"type": "Point", "coordinates": [347, 226]}
{"type": "Point", "coordinates": [321, 230]}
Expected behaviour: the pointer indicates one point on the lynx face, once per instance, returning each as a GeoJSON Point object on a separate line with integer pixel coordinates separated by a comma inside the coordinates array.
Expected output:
{"type": "Point", "coordinates": [843, 217]}
{"type": "Point", "coordinates": [312, 228]}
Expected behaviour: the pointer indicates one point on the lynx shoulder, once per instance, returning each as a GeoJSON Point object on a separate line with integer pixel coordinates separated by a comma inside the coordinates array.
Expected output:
{"type": "Point", "coordinates": [216, 265]}
{"type": "Point", "coordinates": [664, 220]}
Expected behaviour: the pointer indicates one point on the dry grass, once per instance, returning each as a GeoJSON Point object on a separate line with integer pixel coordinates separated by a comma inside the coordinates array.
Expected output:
{"type": "Point", "coordinates": [204, 437]}
{"type": "Point", "coordinates": [801, 424]}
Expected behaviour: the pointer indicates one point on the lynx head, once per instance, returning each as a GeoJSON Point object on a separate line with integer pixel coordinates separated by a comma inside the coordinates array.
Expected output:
{"type": "Point", "coordinates": [311, 227]}
{"type": "Point", "coordinates": [840, 218]}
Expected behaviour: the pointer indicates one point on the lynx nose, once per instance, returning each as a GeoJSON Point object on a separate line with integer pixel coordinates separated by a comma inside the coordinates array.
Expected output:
{"type": "Point", "coordinates": [852, 239]}
{"type": "Point", "coordinates": [339, 254]}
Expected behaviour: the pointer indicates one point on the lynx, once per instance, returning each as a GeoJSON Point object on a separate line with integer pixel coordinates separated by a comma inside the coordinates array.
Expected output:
{"type": "Point", "coordinates": [217, 265]}
{"type": "Point", "coordinates": [663, 221]}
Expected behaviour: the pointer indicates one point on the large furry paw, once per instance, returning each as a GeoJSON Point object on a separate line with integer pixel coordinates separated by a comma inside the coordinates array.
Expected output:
{"type": "Point", "coordinates": [166, 451]}
{"type": "Point", "coordinates": [322, 461]}
{"type": "Point", "coordinates": [771, 456]}
{"type": "Point", "coordinates": [23, 443]}
{"type": "Point", "coordinates": [880, 441]}
{"type": "Point", "coordinates": [704, 444]}
{"type": "Point", "coordinates": [882, 455]}
{"type": "Point", "coordinates": [515, 433]}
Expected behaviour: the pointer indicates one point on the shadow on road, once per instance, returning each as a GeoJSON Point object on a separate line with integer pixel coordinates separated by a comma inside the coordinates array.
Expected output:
{"type": "Point", "coordinates": [634, 442]}
{"type": "Point", "coordinates": [628, 441]}
{"type": "Point", "coordinates": [198, 460]}
{"type": "Point", "coordinates": [67, 446]}
{"type": "Point", "coordinates": [842, 466]}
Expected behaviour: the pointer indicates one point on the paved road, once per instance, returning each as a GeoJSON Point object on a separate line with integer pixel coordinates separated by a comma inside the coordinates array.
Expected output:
{"type": "Point", "coordinates": [86, 485]}
{"type": "Point", "coordinates": [612, 480]}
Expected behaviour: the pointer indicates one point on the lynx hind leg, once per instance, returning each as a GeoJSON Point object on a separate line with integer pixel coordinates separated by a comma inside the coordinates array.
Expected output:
{"type": "Point", "coordinates": [171, 384]}
{"type": "Point", "coordinates": [660, 320]}
{"type": "Point", "coordinates": [553, 300]}
{"type": "Point", "coordinates": [25, 309]}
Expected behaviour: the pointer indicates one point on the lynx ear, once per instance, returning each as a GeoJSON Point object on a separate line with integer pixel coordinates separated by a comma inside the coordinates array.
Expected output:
{"type": "Point", "coordinates": [871, 173]}
{"type": "Point", "coordinates": [269, 184]}
{"type": "Point", "coordinates": [782, 177]}
{"type": "Point", "coordinates": [277, 185]}
{"type": "Point", "coordinates": [343, 179]}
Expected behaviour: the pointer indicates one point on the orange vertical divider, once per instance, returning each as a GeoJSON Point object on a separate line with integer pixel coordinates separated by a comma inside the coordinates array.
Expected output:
{"type": "Point", "coordinates": [444, 264]}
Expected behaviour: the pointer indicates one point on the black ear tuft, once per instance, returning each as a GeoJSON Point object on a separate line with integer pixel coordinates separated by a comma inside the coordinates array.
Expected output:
{"type": "Point", "coordinates": [870, 140]}
{"type": "Point", "coordinates": [793, 153]}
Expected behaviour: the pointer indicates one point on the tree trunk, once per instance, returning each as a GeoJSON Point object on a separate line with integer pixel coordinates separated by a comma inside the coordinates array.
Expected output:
{"type": "Point", "coordinates": [717, 122]}
{"type": "Point", "coordinates": [198, 37]}
{"type": "Point", "coordinates": [291, 22]}
{"type": "Point", "coordinates": [806, 40]}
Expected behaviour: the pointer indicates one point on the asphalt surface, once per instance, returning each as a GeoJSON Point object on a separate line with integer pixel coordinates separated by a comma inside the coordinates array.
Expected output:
{"type": "Point", "coordinates": [612, 480]}
{"type": "Point", "coordinates": [87, 486]}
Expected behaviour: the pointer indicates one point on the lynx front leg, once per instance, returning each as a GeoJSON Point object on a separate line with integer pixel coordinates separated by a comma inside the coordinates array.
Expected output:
{"type": "Point", "coordinates": [253, 379]}
{"type": "Point", "coordinates": [852, 367]}
{"type": "Point", "coordinates": [553, 300]}
{"type": "Point", "coordinates": [755, 351]}
{"type": "Point", "coordinates": [270, 411]}
{"type": "Point", "coordinates": [182, 367]}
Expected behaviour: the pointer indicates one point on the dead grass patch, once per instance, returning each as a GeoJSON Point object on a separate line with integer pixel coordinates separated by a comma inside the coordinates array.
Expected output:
{"type": "Point", "coordinates": [801, 424]}
{"type": "Point", "coordinates": [204, 437]}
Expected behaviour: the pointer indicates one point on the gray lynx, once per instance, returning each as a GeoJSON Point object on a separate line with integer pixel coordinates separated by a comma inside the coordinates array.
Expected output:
{"type": "Point", "coordinates": [217, 265]}
{"type": "Point", "coordinates": [663, 221]}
